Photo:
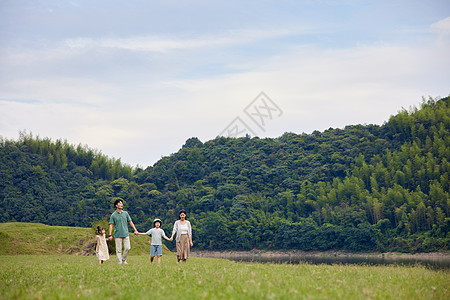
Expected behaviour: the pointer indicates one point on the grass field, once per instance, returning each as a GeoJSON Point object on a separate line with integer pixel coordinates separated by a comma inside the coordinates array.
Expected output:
{"type": "Point", "coordinates": [34, 264]}
{"type": "Point", "coordinates": [73, 276]}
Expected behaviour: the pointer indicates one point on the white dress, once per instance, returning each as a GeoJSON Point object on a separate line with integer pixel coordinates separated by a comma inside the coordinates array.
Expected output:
{"type": "Point", "coordinates": [102, 251]}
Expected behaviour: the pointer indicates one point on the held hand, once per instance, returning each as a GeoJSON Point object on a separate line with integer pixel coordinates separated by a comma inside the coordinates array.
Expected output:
{"type": "Point", "coordinates": [136, 232]}
{"type": "Point", "coordinates": [171, 239]}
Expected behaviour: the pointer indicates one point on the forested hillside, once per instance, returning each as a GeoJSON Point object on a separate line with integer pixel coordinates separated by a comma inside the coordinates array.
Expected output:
{"type": "Point", "coordinates": [361, 188]}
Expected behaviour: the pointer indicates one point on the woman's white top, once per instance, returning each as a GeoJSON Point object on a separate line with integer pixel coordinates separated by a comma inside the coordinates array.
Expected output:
{"type": "Point", "coordinates": [184, 229]}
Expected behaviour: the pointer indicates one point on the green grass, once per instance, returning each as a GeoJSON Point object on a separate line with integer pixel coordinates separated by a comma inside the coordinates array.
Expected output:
{"type": "Point", "coordinates": [35, 238]}
{"type": "Point", "coordinates": [71, 276]}
{"type": "Point", "coordinates": [47, 272]}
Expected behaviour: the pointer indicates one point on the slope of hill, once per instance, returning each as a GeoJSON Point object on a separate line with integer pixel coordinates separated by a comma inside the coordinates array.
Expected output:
{"type": "Point", "coordinates": [35, 238]}
{"type": "Point", "coordinates": [361, 188]}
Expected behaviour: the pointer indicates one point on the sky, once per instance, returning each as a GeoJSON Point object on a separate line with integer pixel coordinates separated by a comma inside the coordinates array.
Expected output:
{"type": "Point", "coordinates": [135, 79]}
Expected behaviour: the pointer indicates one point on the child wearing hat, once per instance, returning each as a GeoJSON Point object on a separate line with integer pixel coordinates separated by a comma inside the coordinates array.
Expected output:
{"type": "Point", "coordinates": [156, 244]}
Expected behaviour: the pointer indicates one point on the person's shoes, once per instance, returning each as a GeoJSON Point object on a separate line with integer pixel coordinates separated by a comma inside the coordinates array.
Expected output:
{"type": "Point", "coordinates": [125, 263]}
{"type": "Point", "coordinates": [119, 262]}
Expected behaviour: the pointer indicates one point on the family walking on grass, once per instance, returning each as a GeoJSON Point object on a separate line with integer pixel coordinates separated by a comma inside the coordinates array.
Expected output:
{"type": "Point", "coordinates": [119, 221]}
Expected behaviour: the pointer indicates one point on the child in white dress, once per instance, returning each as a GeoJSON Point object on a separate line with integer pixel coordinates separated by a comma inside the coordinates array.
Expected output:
{"type": "Point", "coordinates": [102, 247]}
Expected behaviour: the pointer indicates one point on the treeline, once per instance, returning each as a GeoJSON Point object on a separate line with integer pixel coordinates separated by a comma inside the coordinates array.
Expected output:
{"type": "Point", "coordinates": [361, 188]}
{"type": "Point", "coordinates": [58, 154]}
{"type": "Point", "coordinates": [55, 183]}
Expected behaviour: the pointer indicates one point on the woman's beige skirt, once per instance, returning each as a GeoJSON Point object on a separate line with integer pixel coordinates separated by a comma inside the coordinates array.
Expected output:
{"type": "Point", "coordinates": [183, 247]}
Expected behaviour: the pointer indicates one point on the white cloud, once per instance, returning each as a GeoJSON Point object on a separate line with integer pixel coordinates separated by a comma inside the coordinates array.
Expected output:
{"type": "Point", "coordinates": [315, 88]}
{"type": "Point", "coordinates": [441, 27]}
{"type": "Point", "coordinates": [318, 88]}
{"type": "Point", "coordinates": [164, 44]}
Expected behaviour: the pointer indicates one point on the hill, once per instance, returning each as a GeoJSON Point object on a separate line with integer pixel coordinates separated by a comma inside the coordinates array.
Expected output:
{"type": "Point", "coordinates": [35, 238]}
{"type": "Point", "coordinates": [360, 188]}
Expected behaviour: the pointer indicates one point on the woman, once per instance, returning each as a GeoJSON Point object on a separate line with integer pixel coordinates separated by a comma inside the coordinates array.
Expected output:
{"type": "Point", "coordinates": [184, 236]}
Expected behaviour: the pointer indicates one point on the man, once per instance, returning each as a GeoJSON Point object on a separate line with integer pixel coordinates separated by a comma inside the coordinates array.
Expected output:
{"type": "Point", "coordinates": [119, 220]}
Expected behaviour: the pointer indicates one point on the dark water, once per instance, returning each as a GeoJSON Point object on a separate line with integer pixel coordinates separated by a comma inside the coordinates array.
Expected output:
{"type": "Point", "coordinates": [431, 263]}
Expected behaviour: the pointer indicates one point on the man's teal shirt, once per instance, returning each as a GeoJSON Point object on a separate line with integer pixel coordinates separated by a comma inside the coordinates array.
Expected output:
{"type": "Point", "coordinates": [120, 222]}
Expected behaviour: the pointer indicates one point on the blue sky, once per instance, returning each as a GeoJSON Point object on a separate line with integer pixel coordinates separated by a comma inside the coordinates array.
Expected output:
{"type": "Point", "coordinates": [136, 79]}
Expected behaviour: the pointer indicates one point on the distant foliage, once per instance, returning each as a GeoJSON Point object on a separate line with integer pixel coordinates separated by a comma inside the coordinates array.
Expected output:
{"type": "Point", "coordinates": [361, 188]}
{"type": "Point", "coordinates": [55, 183]}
